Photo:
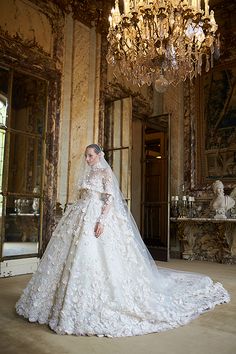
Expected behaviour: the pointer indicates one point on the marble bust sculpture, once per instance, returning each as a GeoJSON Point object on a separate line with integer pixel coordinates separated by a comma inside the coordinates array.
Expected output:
{"type": "Point", "coordinates": [233, 210]}
{"type": "Point", "coordinates": [221, 203]}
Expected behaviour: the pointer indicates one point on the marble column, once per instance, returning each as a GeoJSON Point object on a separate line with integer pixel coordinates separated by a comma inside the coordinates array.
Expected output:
{"type": "Point", "coordinates": [173, 104]}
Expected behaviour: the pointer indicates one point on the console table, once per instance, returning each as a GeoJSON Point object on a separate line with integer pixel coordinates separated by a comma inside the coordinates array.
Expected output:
{"type": "Point", "coordinates": [207, 239]}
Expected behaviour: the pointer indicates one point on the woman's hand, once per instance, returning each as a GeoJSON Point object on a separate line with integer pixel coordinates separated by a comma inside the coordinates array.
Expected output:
{"type": "Point", "coordinates": [98, 229]}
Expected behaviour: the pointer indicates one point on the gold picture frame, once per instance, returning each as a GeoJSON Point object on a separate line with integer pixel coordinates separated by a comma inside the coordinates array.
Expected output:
{"type": "Point", "coordinates": [216, 125]}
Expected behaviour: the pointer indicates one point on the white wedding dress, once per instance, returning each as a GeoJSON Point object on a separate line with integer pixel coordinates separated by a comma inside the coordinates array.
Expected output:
{"type": "Point", "coordinates": [109, 286]}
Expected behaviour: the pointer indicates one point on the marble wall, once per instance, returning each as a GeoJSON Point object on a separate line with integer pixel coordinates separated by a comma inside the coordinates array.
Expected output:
{"type": "Point", "coordinates": [84, 98]}
{"type": "Point", "coordinates": [173, 104]}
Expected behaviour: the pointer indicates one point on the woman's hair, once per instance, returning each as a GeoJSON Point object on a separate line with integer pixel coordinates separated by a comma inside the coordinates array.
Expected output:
{"type": "Point", "coordinates": [217, 184]}
{"type": "Point", "coordinates": [95, 147]}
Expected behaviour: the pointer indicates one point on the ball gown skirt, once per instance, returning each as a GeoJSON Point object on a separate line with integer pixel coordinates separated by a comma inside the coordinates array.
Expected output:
{"type": "Point", "coordinates": [105, 286]}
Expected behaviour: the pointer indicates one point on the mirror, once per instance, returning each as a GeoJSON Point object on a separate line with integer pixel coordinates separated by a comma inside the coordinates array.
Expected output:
{"type": "Point", "coordinates": [21, 227]}
{"type": "Point", "coordinates": [22, 125]}
{"type": "Point", "coordinates": [25, 157]}
{"type": "Point", "coordinates": [28, 107]}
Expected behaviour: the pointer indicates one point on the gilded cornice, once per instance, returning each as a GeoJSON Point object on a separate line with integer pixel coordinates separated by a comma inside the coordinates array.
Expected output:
{"type": "Point", "coordinates": [89, 12]}
{"type": "Point", "coordinates": [24, 48]}
{"type": "Point", "coordinates": [92, 12]}
{"type": "Point", "coordinates": [26, 53]}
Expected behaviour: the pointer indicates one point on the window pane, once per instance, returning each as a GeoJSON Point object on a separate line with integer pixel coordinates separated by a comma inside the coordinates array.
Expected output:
{"type": "Point", "coordinates": [4, 82]}
{"type": "Point", "coordinates": [28, 103]}
{"type": "Point", "coordinates": [126, 114]}
{"type": "Point", "coordinates": [125, 173]}
{"type": "Point", "coordinates": [2, 147]}
{"type": "Point", "coordinates": [3, 110]}
{"type": "Point", "coordinates": [117, 116]}
{"type": "Point", "coordinates": [116, 164]}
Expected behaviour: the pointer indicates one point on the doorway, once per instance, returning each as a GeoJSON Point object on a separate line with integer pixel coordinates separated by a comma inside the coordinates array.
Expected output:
{"type": "Point", "coordinates": [137, 150]}
{"type": "Point", "coordinates": [155, 206]}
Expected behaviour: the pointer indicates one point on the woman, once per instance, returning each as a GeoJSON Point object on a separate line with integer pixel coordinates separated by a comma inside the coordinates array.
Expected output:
{"type": "Point", "coordinates": [97, 277]}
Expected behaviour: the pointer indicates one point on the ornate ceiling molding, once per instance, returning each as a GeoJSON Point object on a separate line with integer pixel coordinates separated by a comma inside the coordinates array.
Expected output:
{"type": "Point", "coordinates": [89, 12]}
{"type": "Point", "coordinates": [27, 54]}
{"type": "Point", "coordinates": [16, 48]}
{"type": "Point", "coordinates": [92, 12]}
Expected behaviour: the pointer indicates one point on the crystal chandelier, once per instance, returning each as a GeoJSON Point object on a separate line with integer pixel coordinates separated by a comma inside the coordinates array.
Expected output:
{"type": "Point", "coordinates": [162, 41]}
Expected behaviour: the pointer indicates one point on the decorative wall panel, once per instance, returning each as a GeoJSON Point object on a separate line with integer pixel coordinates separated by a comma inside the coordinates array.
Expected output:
{"type": "Point", "coordinates": [173, 104]}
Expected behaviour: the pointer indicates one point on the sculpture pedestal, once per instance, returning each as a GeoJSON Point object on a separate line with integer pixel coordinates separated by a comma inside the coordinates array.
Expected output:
{"type": "Point", "coordinates": [207, 239]}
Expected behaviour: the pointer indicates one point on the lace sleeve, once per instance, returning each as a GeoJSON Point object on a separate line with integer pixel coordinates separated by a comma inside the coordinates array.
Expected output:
{"type": "Point", "coordinates": [108, 197]}
{"type": "Point", "coordinates": [105, 209]}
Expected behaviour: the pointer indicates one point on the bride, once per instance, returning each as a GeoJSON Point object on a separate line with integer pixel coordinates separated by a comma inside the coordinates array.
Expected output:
{"type": "Point", "coordinates": [97, 277]}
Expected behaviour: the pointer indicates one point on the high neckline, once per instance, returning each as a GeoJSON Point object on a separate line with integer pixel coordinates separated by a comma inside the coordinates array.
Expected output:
{"type": "Point", "coordinates": [96, 166]}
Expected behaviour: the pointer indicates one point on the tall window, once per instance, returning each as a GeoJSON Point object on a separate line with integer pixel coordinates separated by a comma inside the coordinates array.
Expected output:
{"type": "Point", "coordinates": [23, 103]}
{"type": "Point", "coordinates": [118, 141]}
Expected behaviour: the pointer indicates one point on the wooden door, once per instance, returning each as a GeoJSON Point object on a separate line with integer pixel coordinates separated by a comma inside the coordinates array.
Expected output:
{"type": "Point", "coordinates": [155, 226]}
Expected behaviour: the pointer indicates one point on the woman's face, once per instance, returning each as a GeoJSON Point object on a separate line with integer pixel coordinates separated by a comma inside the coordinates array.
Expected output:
{"type": "Point", "coordinates": [220, 190]}
{"type": "Point", "coordinates": [91, 156]}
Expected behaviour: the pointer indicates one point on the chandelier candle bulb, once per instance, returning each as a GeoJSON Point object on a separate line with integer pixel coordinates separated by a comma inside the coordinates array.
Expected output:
{"type": "Point", "coordinates": [206, 8]}
{"type": "Point", "coordinates": [126, 7]}
{"type": "Point", "coordinates": [199, 5]}
{"type": "Point", "coordinates": [194, 4]}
